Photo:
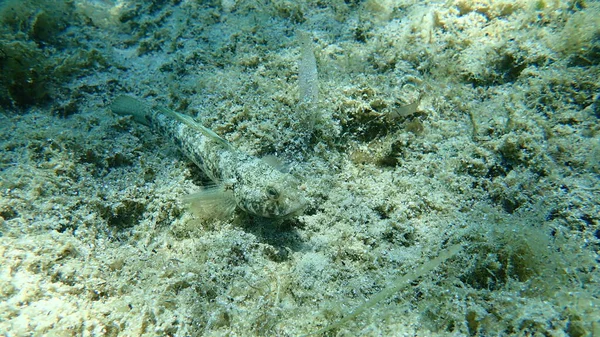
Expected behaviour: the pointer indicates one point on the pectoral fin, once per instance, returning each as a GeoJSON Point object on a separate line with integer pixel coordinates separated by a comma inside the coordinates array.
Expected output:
{"type": "Point", "coordinates": [213, 201]}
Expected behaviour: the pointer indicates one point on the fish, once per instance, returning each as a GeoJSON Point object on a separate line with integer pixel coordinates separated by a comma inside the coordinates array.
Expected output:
{"type": "Point", "coordinates": [241, 181]}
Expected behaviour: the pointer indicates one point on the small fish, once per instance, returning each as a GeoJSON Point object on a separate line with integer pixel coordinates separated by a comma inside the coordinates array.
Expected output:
{"type": "Point", "coordinates": [241, 180]}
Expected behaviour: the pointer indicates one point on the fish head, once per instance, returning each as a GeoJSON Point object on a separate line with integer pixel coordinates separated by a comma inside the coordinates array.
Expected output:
{"type": "Point", "coordinates": [270, 193]}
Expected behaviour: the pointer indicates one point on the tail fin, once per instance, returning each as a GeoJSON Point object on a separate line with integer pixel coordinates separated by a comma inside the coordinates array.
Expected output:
{"type": "Point", "coordinates": [129, 106]}
{"type": "Point", "coordinates": [142, 113]}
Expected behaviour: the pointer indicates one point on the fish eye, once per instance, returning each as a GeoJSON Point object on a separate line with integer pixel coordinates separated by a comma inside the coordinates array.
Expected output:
{"type": "Point", "coordinates": [272, 192]}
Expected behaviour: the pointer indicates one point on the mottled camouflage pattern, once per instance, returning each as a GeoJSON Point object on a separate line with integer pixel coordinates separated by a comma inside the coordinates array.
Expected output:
{"type": "Point", "coordinates": [257, 187]}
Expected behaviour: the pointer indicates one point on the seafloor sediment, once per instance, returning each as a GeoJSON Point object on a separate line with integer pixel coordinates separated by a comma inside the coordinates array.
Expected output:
{"type": "Point", "coordinates": [427, 124]}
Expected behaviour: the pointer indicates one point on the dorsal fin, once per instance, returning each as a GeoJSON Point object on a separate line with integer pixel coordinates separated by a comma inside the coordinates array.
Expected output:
{"type": "Point", "coordinates": [276, 163]}
{"type": "Point", "coordinates": [189, 121]}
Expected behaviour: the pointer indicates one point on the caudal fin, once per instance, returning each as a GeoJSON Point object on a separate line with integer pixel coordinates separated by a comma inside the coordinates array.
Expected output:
{"type": "Point", "coordinates": [129, 106]}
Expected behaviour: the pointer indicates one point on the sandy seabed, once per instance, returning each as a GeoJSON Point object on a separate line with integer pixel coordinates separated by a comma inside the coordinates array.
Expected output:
{"type": "Point", "coordinates": [430, 124]}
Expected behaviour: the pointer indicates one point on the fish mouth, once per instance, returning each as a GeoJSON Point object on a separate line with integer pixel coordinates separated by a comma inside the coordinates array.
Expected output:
{"type": "Point", "coordinates": [294, 210]}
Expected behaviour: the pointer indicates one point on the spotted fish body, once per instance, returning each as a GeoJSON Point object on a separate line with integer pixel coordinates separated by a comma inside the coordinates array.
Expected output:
{"type": "Point", "coordinates": [242, 180]}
